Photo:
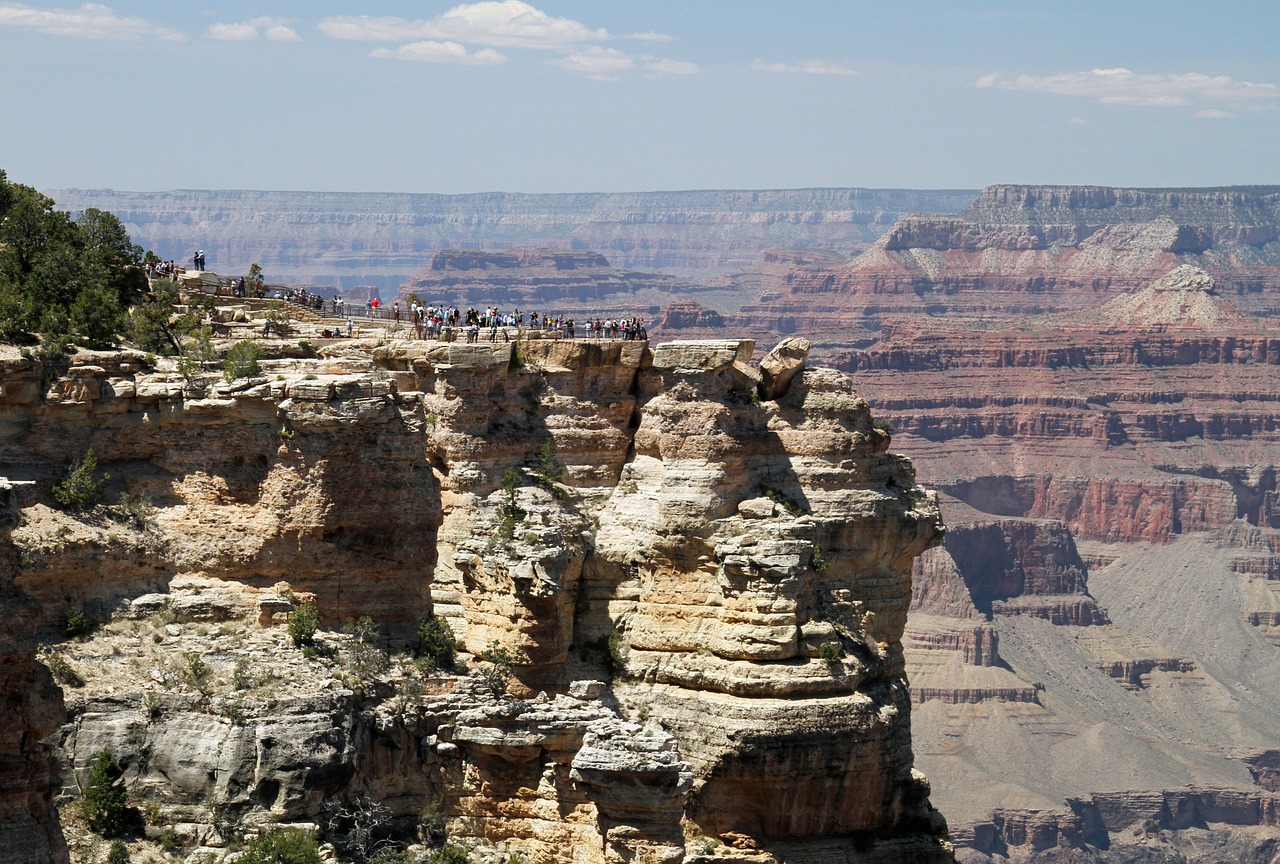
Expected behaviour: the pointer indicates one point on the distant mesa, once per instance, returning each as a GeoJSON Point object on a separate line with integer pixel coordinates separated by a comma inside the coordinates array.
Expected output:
{"type": "Point", "coordinates": [554, 280]}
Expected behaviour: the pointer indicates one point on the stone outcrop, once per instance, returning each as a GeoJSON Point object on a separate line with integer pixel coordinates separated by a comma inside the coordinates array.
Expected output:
{"type": "Point", "coordinates": [1105, 591]}
{"type": "Point", "coordinates": [1022, 250]}
{"type": "Point", "coordinates": [33, 710]}
{"type": "Point", "coordinates": [700, 593]}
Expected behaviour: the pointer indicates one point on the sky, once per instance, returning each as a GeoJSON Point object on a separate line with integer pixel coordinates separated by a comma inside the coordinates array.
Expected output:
{"type": "Point", "coordinates": [623, 95]}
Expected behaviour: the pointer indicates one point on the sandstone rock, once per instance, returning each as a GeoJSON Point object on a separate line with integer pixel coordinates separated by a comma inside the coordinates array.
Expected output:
{"type": "Point", "coordinates": [782, 364]}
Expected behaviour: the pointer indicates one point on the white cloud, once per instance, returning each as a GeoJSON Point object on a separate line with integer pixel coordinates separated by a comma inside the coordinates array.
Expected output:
{"type": "Point", "coordinates": [502, 23]}
{"type": "Point", "coordinates": [603, 64]}
{"type": "Point", "coordinates": [429, 51]}
{"type": "Point", "coordinates": [274, 29]}
{"type": "Point", "coordinates": [806, 67]}
{"type": "Point", "coordinates": [88, 21]}
{"type": "Point", "coordinates": [1124, 87]}
{"type": "Point", "coordinates": [1077, 121]}
{"type": "Point", "coordinates": [1213, 113]}
{"type": "Point", "coordinates": [232, 32]}
{"type": "Point", "coordinates": [659, 66]}
{"type": "Point", "coordinates": [650, 37]}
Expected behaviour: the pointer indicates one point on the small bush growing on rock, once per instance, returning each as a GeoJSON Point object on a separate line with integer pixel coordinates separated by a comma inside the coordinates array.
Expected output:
{"type": "Point", "coordinates": [197, 673]}
{"type": "Point", "coordinates": [242, 360]}
{"type": "Point", "coordinates": [286, 846]}
{"type": "Point", "coordinates": [818, 561]}
{"type": "Point", "coordinates": [449, 855]}
{"type": "Point", "coordinates": [77, 625]}
{"type": "Point", "coordinates": [119, 853]}
{"type": "Point", "coordinates": [547, 468]}
{"type": "Point", "coordinates": [496, 669]}
{"type": "Point", "coordinates": [304, 621]}
{"type": "Point", "coordinates": [80, 487]}
{"type": "Point", "coordinates": [436, 642]}
{"type": "Point", "coordinates": [105, 796]}
{"type": "Point", "coordinates": [136, 509]}
{"type": "Point", "coordinates": [883, 425]}
{"type": "Point", "coordinates": [363, 656]}
{"type": "Point", "coordinates": [830, 652]}
{"type": "Point", "coordinates": [62, 671]}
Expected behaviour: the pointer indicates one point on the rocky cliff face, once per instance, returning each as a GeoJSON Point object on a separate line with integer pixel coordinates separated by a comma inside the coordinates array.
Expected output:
{"type": "Point", "coordinates": [1030, 250]}
{"type": "Point", "coordinates": [1104, 596]}
{"type": "Point", "coordinates": [363, 238]}
{"type": "Point", "coordinates": [701, 603]}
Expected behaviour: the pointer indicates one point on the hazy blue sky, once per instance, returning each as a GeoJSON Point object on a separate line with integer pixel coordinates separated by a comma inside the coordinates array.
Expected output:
{"type": "Point", "coordinates": [585, 95]}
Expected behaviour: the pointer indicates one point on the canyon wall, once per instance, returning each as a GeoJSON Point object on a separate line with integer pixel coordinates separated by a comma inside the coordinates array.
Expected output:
{"type": "Point", "coordinates": [349, 239]}
{"type": "Point", "coordinates": [1092, 650]}
{"type": "Point", "coordinates": [713, 542]}
{"type": "Point", "coordinates": [1026, 250]}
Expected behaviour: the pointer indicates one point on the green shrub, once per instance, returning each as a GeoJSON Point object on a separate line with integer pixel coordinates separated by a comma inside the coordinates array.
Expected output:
{"type": "Point", "coordinates": [830, 652]}
{"type": "Point", "coordinates": [883, 425]}
{"type": "Point", "coordinates": [304, 621]}
{"type": "Point", "coordinates": [615, 653]}
{"type": "Point", "coordinates": [242, 360]}
{"type": "Point", "coordinates": [449, 855]}
{"type": "Point", "coordinates": [436, 642]}
{"type": "Point", "coordinates": [547, 468]}
{"type": "Point", "coordinates": [286, 846]}
{"type": "Point", "coordinates": [496, 669]}
{"type": "Point", "coordinates": [80, 488]}
{"type": "Point", "coordinates": [61, 670]}
{"type": "Point", "coordinates": [77, 625]}
{"type": "Point", "coordinates": [119, 853]}
{"type": "Point", "coordinates": [104, 798]}
{"type": "Point", "coordinates": [134, 508]}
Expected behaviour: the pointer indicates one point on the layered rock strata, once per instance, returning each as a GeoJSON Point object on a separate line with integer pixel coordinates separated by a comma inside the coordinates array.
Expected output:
{"type": "Point", "coordinates": [733, 555]}
{"type": "Point", "coordinates": [362, 238]}
{"type": "Point", "coordinates": [1103, 599]}
{"type": "Point", "coordinates": [1023, 250]}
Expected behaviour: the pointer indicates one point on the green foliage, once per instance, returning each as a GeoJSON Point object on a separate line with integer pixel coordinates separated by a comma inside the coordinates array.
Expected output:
{"type": "Point", "coordinates": [105, 796]}
{"type": "Point", "coordinates": [286, 846]}
{"type": "Point", "coordinates": [436, 642]}
{"type": "Point", "coordinates": [362, 655]}
{"type": "Point", "coordinates": [66, 279]}
{"type": "Point", "coordinates": [830, 652]}
{"type": "Point", "coordinates": [62, 670]}
{"type": "Point", "coordinates": [304, 621]}
{"type": "Point", "coordinates": [449, 855]}
{"type": "Point", "coordinates": [197, 673]}
{"type": "Point", "coordinates": [818, 561]}
{"type": "Point", "coordinates": [242, 360]}
{"type": "Point", "coordinates": [615, 653]}
{"type": "Point", "coordinates": [547, 469]}
{"type": "Point", "coordinates": [77, 625]}
{"type": "Point", "coordinates": [883, 425]}
{"type": "Point", "coordinates": [80, 488]}
{"type": "Point", "coordinates": [136, 509]}
{"type": "Point", "coordinates": [277, 319]}
{"type": "Point", "coordinates": [795, 508]}
{"type": "Point", "coordinates": [118, 853]}
{"type": "Point", "coordinates": [509, 512]}
{"type": "Point", "coordinates": [152, 325]}
{"type": "Point", "coordinates": [496, 664]}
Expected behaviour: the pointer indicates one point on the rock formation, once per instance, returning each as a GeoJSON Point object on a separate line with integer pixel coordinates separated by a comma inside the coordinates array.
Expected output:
{"type": "Point", "coordinates": [699, 594]}
{"type": "Point", "coordinates": [1026, 250]}
{"type": "Point", "coordinates": [363, 238]}
{"type": "Point", "coordinates": [1103, 599]}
